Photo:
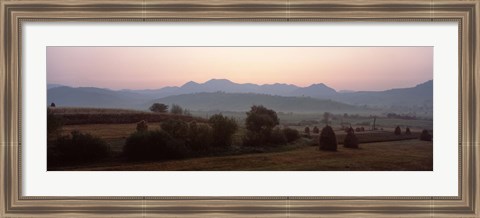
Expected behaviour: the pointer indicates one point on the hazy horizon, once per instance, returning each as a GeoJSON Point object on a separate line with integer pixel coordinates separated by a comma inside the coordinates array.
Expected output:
{"type": "Point", "coordinates": [341, 68]}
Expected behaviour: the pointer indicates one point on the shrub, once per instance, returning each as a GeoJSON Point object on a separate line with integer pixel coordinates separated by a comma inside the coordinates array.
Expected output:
{"type": "Point", "coordinates": [362, 129]}
{"type": "Point", "coordinates": [328, 140]}
{"type": "Point", "coordinates": [291, 134]}
{"type": "Point", "coordinates": [326, 118]}
{"type": "Point", "coordinates": [153, 145]}
{"type": "Point", "coordinates": [176, 128]}
{"type": "Point", "coordinates": [80, 147]}
{"type": "Point", "coordinates": [398, 131]}
{"type": "Point", "coordinates": [350, 141]}
{"type": "Point", "coordinates": [278, 137]}
{"type": "Point", "coordinates": [316, 130]}
{"type": "Point", "coordinates": [200, 136]}
{"type": "Point", "coordinates": [159, 108]}
{"type": "Point", "coordinates": [425, 136]}
{"type": "Point", "coordinates": [223, 130]}
{"type": "Point", "coordinates": [142, 126]}
{"type": "Point", "coordinates": [176, 109]}
{"type": "Point", "coordinates": [254, 139]}
{"type": "Point", "coordinates": [407, 131]}
{"type": "Point", "coordinates": [357, 129]}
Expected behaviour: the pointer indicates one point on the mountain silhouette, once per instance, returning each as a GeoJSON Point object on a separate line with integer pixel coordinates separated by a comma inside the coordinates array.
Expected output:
{"type": "Point", "coordinates": [419, 96]}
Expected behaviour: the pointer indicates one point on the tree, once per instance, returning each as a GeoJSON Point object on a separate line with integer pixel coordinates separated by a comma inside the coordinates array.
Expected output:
{"type": "Point", "coordinates": [259, 123]}
{"type": "Point", "coordinates": [316, 130]}
{"type": "Point", "coordinates": [159, 108]}
{"type": "Point", "coordinates": [223, 130]}
{"type": "Point", "coordinates": [52, 104]}
{"type": "Point", "coordinates": [326, 118]}
{"type": "Point", "coordinates": [176, 109]}
{"type": "Point", "coordinates": [200, 136]}
{"type": "Point", "coordinates": [178, 129]}
{"type": "Point", "coordinates": [261, 119]}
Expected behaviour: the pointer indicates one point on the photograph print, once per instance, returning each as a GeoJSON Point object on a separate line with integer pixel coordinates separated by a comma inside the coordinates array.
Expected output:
{"type": "Point", "coordinates": [239, 108]}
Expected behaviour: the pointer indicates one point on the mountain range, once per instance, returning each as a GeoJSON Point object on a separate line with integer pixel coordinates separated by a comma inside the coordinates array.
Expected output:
{"type": "Point", "coordinates": [222, 94]}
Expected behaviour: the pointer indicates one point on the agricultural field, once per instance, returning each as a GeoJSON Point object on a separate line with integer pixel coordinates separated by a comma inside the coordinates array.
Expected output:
{"type": "Point", "coordinates": [73, 115]}
{"type": "Point", "coordinates": [404, 155]}
{"type": "Point", "coordinates": [379, 149]}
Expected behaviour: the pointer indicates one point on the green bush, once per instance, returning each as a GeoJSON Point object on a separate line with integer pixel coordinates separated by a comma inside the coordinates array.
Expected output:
{"type": "Point", "coordinates": [153, 145]}
{"type": "Point", "coordinates": [278, 137]}
{"type": "Point", "coordinates": [80, 147]}
{"type": "Point", "coordinates": [425, 136]}
{"type": "Point", "coordinates": [223, 130]}
{"type": "Point", "coordinates": [254, 139]}
{"type": "Point", "coordinates": [328, 139]}
{"type": "Point", "coordinates": [291, 134]}
{"type": "Point", "coordinates": [351, 140]}
{"type": "Point", "coordinates": [200, 136]}
{"type": "Point", "coordinates": [178, 129]}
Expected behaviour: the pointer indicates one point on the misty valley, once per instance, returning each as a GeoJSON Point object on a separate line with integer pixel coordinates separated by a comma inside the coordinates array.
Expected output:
{"type": "Point", "coordinates": [223, 125]}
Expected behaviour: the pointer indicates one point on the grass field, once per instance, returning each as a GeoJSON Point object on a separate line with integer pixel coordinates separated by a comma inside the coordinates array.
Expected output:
{"type": "Point", "coordinates": [380, 150]}
{"type": "Point", "coordinates": [406, 155]}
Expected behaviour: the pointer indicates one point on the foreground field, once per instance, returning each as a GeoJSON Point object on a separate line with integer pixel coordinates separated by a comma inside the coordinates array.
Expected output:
{"type": "Point", "coordinates": [406, 155]}
{"type": "Point", "coordinates": [380, 149]}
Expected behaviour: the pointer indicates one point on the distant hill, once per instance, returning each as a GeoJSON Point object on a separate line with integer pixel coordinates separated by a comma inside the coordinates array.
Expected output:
{"type": "Point", "coordinates": [420, 95]}
{"type": "Point", "coordinates": [93, 97]}
{"type": "Point", "coordinates": [315, 90]}
{"type": "Point", "coordinates": [195, 96]}
{"type": "Point", "coordinates": [223, 85]}
{"type": "Point", "coordinates": [49, 86]}
{"type": "Point", "coordinates": [243, 101]}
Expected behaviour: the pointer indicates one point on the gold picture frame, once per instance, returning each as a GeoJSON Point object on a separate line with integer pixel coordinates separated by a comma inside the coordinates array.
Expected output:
{"type": "Point", "coordinates": [14, 12]}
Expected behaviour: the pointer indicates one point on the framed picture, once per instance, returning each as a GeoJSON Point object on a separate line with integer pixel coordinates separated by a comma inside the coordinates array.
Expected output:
{"type": "Point", "coordinates": [239, 108]}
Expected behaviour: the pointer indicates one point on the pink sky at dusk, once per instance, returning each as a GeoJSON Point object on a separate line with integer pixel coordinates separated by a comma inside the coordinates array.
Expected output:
{"type": "Point", "coordinates": [342, 68]}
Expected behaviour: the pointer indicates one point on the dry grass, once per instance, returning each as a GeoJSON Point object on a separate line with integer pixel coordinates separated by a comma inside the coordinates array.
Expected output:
{"type": "Point", "coordinates": [407, 155]}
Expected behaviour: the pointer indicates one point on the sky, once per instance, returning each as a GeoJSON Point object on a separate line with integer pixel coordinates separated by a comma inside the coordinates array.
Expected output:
{"type": "Point", "coordinates": [342, 68]}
